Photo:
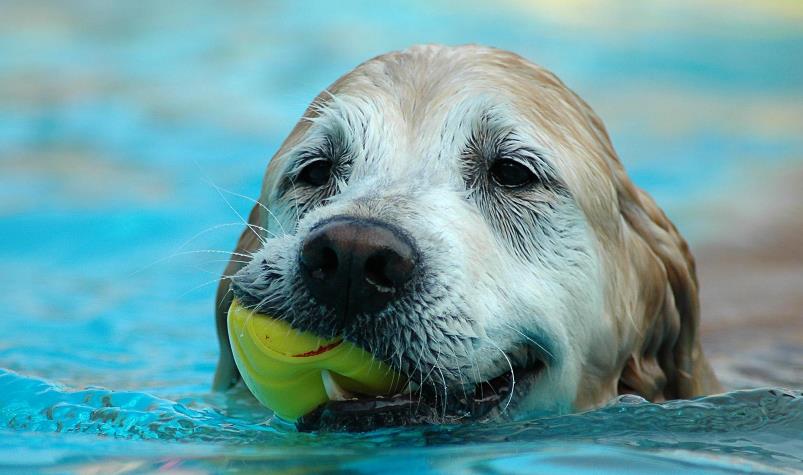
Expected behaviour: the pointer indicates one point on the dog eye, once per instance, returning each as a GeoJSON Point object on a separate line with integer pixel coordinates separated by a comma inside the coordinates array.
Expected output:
{"type": "Point", "coordinates": [316, 173]}
{"type": "Point", "coordinates": [511, 174]}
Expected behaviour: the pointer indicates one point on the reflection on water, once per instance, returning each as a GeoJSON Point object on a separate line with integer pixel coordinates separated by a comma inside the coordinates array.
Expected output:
{"type": "Point", "coordinates": [117, 122]}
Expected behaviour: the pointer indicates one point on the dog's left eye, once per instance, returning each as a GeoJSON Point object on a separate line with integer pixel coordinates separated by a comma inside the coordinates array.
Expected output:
{"type": "Point", "coordinates": [316, 173]}
{"type": "Point", "coordinates": [511, 174]}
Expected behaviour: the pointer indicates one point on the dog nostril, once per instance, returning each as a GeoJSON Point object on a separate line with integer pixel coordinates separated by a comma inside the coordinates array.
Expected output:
{"type": "Point", "coordinates": [355, 267]}
{"type": "Point", "coordinates": [327, 265]}
{"type": "Point", "coordinates": [375, 272]}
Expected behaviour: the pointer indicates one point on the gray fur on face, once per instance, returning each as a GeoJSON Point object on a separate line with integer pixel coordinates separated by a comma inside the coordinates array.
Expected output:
{"type": "Point", "coordinates": [498, 270]}
{"type": "Point", "coordinates": [428, 332]}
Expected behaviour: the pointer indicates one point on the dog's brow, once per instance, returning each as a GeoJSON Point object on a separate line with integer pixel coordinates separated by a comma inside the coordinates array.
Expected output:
{"type": "Point", "coordinates": [512, 147]}
{"type": "Point", "coordinates": [331, 136]}
{"type": "Point", "coordinates": [494, 135]}
{"type": "Point", "coordinates": [341, 116]}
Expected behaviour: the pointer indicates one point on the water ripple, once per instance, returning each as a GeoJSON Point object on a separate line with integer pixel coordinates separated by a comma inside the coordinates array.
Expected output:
{"type": "Point", "coordinates": [35, 405]}
{"type": "Point", "coordinates": [742, 430]}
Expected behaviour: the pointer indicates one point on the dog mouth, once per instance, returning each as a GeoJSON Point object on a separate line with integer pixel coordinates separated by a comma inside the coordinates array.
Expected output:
{"type": "Point", "coordinates": [425, 405]}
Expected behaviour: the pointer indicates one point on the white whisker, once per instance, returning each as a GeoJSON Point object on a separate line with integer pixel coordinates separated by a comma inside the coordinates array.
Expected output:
{"type": "Point", "coordinates": [218, 190]}
{"type": "Point", "coordinates": [258, 203]}
{"type": "Point", "coordinates": [182, 253]}
{"type": "Point", "coordinates": [547, 352]}
{"type": "Point", "coordinates": [512, 376]}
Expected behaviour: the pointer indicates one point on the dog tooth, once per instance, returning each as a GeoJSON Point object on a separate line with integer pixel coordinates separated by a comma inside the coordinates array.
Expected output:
{"type": "Point", "coordinates": [334, 390]}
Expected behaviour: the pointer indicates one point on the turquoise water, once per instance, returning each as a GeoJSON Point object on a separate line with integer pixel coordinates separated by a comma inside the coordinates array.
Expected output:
{"type": "Point", "coordinates": [118, 125]}
{"type": "Point", "coordinates": [740, 431]}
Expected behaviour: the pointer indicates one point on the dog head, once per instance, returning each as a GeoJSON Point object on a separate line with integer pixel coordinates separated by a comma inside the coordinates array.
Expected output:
{"type": "Point", "coordinates": [462, 215]}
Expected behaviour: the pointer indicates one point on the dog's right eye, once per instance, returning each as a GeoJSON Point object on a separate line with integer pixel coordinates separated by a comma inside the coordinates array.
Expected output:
{"type": "Point", "coordinates": [512, 174]}
{"type": "Point", "coordinates": [316, 173]}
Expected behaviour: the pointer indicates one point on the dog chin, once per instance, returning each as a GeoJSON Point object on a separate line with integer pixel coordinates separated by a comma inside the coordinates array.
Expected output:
{"type": "Point", "coordinates": [497, 398]}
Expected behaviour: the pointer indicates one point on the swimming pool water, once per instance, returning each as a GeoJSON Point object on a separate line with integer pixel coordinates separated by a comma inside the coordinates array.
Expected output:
{"type": "Point", "coordinates": [742, 430]}
{"type": "Point", "coordinates": [124, 129]}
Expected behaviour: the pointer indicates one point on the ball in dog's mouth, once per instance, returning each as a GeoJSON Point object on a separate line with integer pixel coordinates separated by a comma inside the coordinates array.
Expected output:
{"type": "Point", "coordinates": [333, 385]}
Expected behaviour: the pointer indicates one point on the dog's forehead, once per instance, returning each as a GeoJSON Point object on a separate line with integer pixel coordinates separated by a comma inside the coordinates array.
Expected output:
{"type": "Point", "coordinates": [420, 105]}
{"type": "Point", "coordinates": [414, 109]}
{"type": "Point", "coordinates": [424, 95]}
{"type": "Point", "coordinates": [421, 89]}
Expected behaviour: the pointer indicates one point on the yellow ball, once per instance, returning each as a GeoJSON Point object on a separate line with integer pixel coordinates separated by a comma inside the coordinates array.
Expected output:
{"type": "Point", "coordinates": [285, 369]}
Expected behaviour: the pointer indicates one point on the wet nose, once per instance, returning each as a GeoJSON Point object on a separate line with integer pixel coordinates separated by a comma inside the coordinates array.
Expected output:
{"type": "Point", "coordinates": [355, 266]}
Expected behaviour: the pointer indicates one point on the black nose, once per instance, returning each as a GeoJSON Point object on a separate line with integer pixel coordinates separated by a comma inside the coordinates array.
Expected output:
{"type": "Point", "coordinates": [355, 266]}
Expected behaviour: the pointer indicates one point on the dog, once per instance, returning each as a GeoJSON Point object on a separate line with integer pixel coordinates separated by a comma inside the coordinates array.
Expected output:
{"type": "Point", "coordinates": [461, 214]}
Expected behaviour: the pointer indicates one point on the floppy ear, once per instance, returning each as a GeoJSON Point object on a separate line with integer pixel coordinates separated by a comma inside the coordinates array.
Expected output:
{"type": "Point", "coordinates": [669, 363]}
{"type": "Point", "coordinates": [226, 374]}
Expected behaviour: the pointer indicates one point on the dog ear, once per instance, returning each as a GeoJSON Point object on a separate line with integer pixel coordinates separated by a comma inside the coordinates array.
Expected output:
{"type": "Point", "coordinates": [669, 364]}
{"type": "Point", "coordinates": [226, 374]}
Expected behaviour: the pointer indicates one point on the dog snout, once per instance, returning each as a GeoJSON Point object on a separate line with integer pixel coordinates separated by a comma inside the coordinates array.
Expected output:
{"type": "Point", "coordinates": [356, 266]}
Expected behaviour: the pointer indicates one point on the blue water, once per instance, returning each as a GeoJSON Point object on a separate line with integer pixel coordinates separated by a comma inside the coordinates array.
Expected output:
{"type": "Point", "coordinates": [120, 122]}
{"type": "Point", "coordinates": [745, 430]}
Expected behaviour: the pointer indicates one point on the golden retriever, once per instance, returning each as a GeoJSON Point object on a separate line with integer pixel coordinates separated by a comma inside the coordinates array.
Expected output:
{"type": "Point", "coordinates": [462, 215]}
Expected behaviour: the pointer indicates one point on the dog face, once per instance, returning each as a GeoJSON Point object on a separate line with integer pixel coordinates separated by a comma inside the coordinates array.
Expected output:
{"type": "Point", "coordinates": [462, 216]}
